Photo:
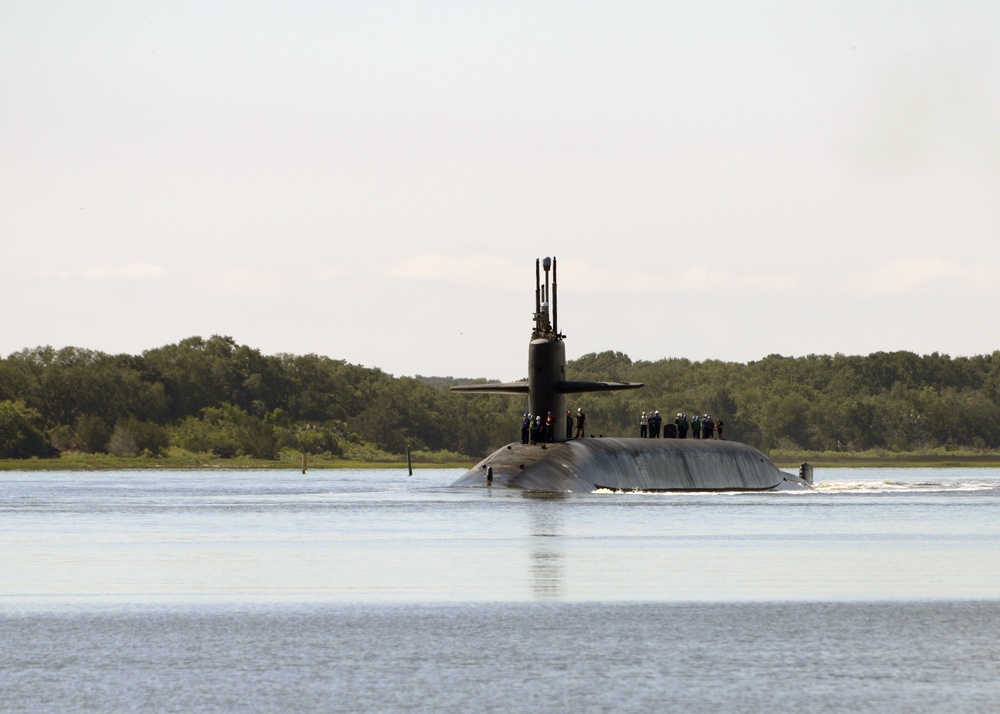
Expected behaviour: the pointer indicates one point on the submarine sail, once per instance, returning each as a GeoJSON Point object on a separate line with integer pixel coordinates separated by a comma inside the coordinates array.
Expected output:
{"type": "Point", "coordinates": [547, 385]}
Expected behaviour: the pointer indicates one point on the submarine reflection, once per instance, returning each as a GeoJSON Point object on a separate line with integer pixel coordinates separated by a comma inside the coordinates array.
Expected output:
{"type": "Point", "coordinates": [547, 556]}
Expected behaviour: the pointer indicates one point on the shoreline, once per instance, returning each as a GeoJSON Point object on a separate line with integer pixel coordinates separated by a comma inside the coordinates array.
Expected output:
{"type": "Point", "coordinates": [202, 462]}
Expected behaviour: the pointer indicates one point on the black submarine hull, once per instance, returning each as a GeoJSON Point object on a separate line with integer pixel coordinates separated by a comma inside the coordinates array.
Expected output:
{"type": "Point", "coordinates": [588, 465]}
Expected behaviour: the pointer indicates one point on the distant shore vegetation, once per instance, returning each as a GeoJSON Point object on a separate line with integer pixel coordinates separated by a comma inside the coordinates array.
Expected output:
{"type": "Point", "coordinates": [212, 402]}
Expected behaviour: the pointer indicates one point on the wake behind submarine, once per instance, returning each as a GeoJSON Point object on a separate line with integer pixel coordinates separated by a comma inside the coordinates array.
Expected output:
{"type": "Point", "coordinates": [619, 464]}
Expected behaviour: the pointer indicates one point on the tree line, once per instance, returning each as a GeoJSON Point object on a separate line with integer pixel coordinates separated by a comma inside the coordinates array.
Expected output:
{"type": "Point", "coordinates": [216, 396]}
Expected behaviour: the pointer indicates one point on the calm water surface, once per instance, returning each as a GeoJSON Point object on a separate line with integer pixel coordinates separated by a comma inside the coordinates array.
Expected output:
{"type": "Point", "coordinates": [374, 591]}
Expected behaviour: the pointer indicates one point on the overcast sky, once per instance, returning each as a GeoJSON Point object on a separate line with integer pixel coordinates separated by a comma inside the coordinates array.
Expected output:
{"type": "Point", "coordinates": [372, 181]}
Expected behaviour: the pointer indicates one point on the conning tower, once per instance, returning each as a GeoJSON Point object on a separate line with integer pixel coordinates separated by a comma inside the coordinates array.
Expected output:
{"type": "Point", "coordinates": [547, 385]}
{"type": "Point", "coordinates": [547, 353]}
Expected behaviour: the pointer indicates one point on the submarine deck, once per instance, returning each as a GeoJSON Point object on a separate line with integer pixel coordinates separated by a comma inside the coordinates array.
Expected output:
{"type": "Point", "coordinates": [630, 464]}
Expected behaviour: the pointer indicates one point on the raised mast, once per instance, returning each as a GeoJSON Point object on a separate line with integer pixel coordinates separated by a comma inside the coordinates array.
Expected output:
{"type": "Point", "coordinates": [555, 305]}
{"type": "Point", "coordinates": [538, 300]}
{"type": "Point", "coordinates": [543, 328]}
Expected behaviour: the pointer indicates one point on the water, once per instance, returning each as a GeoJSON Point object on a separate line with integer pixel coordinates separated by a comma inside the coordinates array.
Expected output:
{"type": "Point", "coordinates": [374, 591]}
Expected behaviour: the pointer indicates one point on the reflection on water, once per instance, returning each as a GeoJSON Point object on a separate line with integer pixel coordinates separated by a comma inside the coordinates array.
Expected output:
{"type": "Point", "coordinates": [545, 531]}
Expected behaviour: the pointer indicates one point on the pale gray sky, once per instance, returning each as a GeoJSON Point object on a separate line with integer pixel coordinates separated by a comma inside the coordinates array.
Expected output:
{"type": "Point", "coordinates": [372, 181]}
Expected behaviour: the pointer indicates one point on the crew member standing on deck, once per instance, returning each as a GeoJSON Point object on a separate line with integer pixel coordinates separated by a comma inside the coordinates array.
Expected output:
{"type": "Point", "coordinates": [643, 425]}
{"type": "Point", "coordinates": [581, 422]}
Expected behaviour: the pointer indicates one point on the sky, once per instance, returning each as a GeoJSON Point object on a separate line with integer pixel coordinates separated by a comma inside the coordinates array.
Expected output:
{"type": "Point", "coordinates": [373, 181]}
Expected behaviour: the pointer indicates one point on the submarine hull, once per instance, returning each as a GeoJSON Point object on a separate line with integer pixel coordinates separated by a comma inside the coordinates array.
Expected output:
{"type": "Point", "coordinates": [587, 465]}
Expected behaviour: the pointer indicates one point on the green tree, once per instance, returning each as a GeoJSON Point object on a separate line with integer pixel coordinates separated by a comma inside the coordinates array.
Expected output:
{"type": "Point", "coordinates": [21, 435]}
{"type": "Point", "coordinates": [132, 437]}
{"type": "Point", "coordinates": [228, 431]}
{"type": "Point", "coordinates": [92, 433]}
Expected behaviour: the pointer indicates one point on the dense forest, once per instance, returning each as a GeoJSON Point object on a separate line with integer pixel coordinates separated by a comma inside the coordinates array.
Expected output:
{"type": "Point", "coordinates": [215, 396]}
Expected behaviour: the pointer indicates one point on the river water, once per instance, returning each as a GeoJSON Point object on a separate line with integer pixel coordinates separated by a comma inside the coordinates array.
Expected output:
{"type": "Point", "coordinates": [377, 591]}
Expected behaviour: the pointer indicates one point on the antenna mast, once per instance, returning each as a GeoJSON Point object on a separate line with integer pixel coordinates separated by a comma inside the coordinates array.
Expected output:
{"type": "Point", "coordinates": [555, 304]}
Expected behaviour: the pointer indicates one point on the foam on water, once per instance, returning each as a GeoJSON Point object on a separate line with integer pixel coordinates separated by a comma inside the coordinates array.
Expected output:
{"type": "Point", "coordinates": [906, 487]}
{"type": "Point", "coordinates": [858, 486]}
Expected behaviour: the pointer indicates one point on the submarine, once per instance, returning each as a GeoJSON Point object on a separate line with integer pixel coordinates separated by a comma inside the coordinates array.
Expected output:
{"type": "Point", "coordinates": [587, 465]}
